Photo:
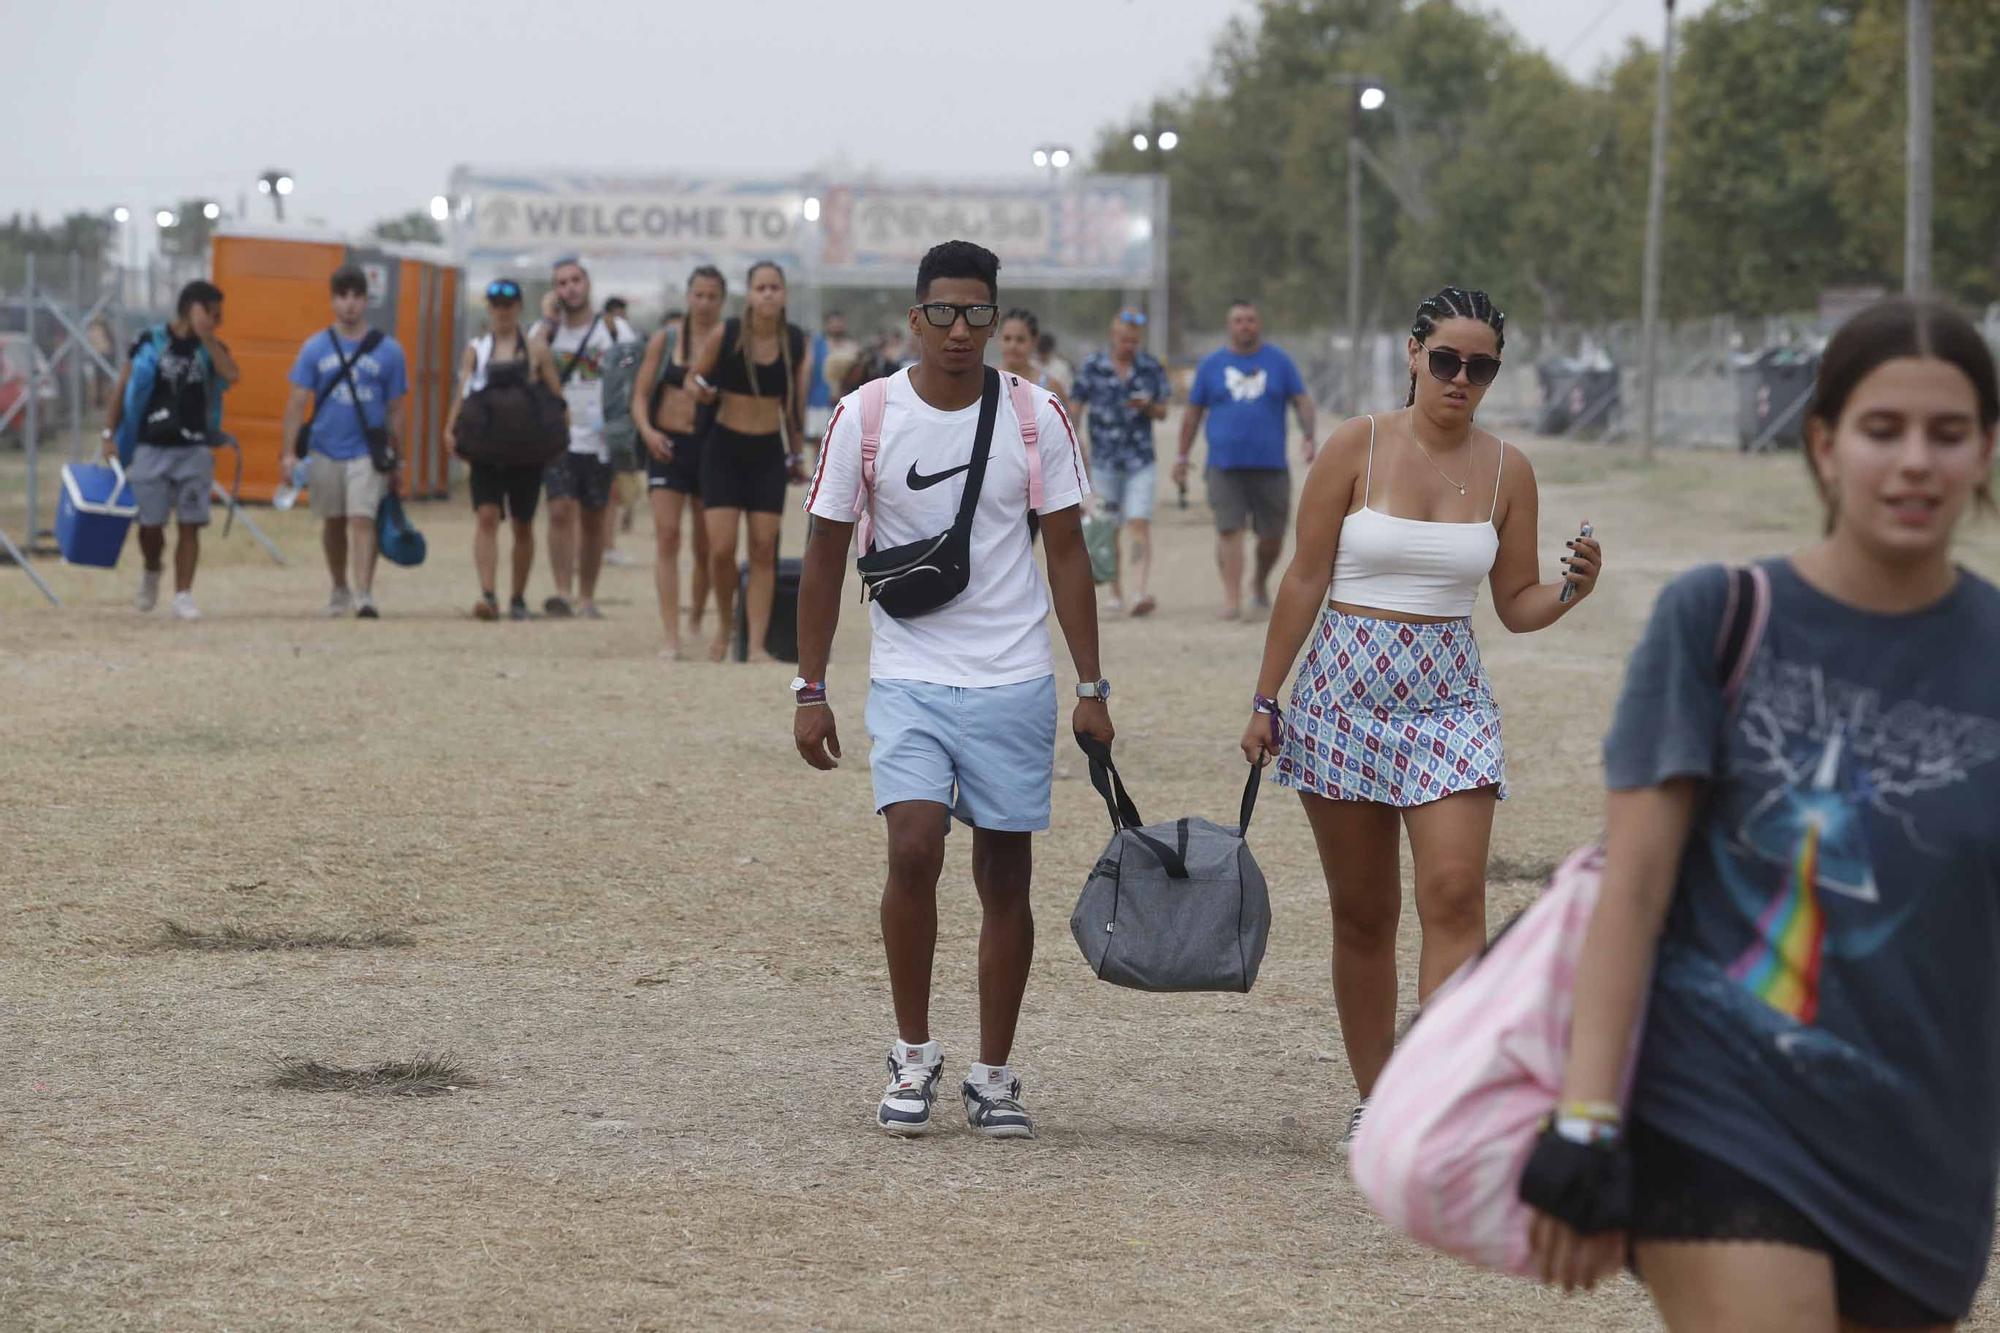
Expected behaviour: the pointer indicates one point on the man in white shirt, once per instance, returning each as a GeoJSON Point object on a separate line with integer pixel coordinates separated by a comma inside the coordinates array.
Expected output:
{"type": "Point", "coordinates": [962, 698]}
{"type": "Point", "coordinates": [579, 483]}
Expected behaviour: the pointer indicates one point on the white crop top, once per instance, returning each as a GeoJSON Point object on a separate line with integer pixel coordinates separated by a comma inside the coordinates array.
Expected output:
{"type": "Point", "coordinates": [1411, 565]}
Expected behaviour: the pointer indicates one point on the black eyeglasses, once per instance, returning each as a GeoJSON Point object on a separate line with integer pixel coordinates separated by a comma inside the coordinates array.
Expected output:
{"type": "Point", "coordinates": [1480, 370]}
{"type": "Point", "coordinates": [944, 314]}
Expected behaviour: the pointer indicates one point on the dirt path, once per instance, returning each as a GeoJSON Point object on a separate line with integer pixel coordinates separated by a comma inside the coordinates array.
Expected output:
{"type": "Point", "coordinates": [649, 933]}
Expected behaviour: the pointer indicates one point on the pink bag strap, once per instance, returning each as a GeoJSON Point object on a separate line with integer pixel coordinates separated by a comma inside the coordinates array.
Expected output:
{"type": "Point", "coordinates": [874, 401]}
{"type": "Point", "coordinates": [1025, 411]}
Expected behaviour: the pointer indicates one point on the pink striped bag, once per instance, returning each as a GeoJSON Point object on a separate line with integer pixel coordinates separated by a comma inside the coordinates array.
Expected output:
{"type": "Point", "coordinates": [1455, 1114]}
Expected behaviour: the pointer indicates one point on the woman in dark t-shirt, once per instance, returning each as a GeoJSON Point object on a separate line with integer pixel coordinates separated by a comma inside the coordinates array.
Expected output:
{"type": "Point", "coordinates": [1811, 880]}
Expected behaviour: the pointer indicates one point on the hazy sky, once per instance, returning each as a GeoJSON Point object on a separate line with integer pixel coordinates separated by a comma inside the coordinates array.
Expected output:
{"type": "Point", "coordinates": [370, 103]}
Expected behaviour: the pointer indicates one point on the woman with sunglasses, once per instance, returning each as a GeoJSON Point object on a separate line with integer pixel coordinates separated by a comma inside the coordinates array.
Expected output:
{"type": "Point", "coordinates": [498, 491]}
{"type": "Point", "coordinates": [1392, 724]}
{"type": "Point", "coordinates": [755, 369]}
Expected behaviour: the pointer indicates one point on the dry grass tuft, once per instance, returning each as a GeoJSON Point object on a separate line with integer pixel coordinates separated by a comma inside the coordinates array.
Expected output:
{"type": "Point", "coordinates": [420, 1076]}
{"type": "Point", "coordinates": [233, 938]}
{"type": "Point", "coordinates": [1507, 870]}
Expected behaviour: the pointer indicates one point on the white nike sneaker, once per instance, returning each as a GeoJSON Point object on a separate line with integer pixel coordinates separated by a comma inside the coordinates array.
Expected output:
{"type": "Point", "coordinates": [184, 607]}
{"type": "Point", "coordinates": [995, 1110]}
{"type": "Point", "coordinates": [149, 590]}
{"type": "Point", "coordinates": [340, 603]}
{"type": "Point", "coordinates": [906, 1103]}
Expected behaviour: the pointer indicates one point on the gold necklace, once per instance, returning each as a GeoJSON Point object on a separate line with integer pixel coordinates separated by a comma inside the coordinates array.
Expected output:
{"type": "Point", "coordinates": [1434, 464]}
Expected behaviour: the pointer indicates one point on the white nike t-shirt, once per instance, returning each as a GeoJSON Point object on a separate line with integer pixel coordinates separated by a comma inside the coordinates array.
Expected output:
{"type": "Point", "coordinates": [996, 631]}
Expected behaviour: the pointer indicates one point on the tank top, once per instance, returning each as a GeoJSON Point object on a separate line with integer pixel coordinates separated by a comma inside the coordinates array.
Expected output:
{"type": "Point", "coordinates": [482, 357]}
{"type": "Point", "coordinates": [1412, 565]}
{"type": "Point", "coordinates": [733, 376]}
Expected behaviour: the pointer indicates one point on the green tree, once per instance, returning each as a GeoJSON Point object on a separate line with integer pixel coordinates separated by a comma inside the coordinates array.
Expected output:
{"type": "Point", "coordinates": [415, 225]}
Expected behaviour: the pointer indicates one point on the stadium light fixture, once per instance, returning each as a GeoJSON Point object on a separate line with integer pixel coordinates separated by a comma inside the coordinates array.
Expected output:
{"type": "Point", "coordinates": [277, 184]}
{"type": "Point", "coordinates": [211, 210]}
{"type": "Point", "coordinates": [440, 208]}
{"type": "Point", "coordinates": [1141, 142]}
{"type": "Point", "coordinates": [810, 209]}
{"type": "Point", "coordinates": [1060, 158]}
{"type": "Point", "coordinates": [121, 214]}
{"type": "Point", "coordinates": [1168, 141]}
{"type": "Point", "coordinates": [284, 185]}
{"type": "Point", "coordinates": [1372, 98]}
{"type": "Point", "coordinates": [164, 218]}
{"type": "Point", "coordinates": [1042, 158]}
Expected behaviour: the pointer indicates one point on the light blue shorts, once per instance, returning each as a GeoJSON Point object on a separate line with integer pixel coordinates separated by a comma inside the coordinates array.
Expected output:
{"type": "Point", "coordinates": [987, 755]}
{"type": "Point", "coordinates": [1127, 493]}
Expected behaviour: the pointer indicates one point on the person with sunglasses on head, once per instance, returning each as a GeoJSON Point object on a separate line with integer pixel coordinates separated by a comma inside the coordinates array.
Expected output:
{"type": "Point", "coordinates": [1799, 910]}
{"type": "Point", "coordinates": [500, 491]}
{"type": "Point", "coordinates": [962, 693]}
{"type": "Point", "coordinates": [757, 371]}
{"type": "Point", "coordinates": [579, 483]}
{"type": "Point", "coordinates": [1243, 390]}
{"type": "Point", "coordinates": [673, 424]}
{"type": "Point", "coordinates": [1392, 725]}
{"type": "Point", "coordinates": [352, 378]}
{"type": "Point", "coordinates": [1123, 390]}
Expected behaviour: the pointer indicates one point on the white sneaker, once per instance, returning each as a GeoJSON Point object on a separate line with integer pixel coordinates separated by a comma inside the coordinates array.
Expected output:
{"type": "Point", "coordinates": [619, 560]}
{"type": "Point", "coordinates": [906, 1103]}
{"type": "Point", "coordinates": [995, 1110]}
{"type": "Point", "coordinates": [149, 590]}
{"type": "Point", "coordinates": [340, 603]}
{"type": "Point", "coordinates": [184, 607]}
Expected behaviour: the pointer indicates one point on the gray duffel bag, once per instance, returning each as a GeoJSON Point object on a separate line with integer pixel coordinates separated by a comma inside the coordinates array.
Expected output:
{"type": "Point", "coordinates": [1171, 907]}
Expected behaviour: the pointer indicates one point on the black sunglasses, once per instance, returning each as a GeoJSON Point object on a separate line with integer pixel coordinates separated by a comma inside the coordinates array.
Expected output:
{"type": "Point", "coordinates": [1480, 370]}
{"type": "Point", "coordinates": [944, 314]}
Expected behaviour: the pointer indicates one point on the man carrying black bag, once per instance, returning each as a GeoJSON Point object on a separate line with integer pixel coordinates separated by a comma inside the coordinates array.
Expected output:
{"type": "Point", "coordinates": [936, 466]}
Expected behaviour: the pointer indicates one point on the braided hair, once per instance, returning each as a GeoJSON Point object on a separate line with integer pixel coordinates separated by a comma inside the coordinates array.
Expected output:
{"type": "Point", "coordinates": [1455, 303]}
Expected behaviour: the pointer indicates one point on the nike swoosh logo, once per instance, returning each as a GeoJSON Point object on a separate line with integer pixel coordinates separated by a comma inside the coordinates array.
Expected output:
{"type": "Point", "coordinates": [919, 482]}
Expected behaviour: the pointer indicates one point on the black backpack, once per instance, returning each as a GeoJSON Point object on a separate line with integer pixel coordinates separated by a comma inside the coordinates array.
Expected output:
{"type": "Point", "coordinates": [515, 420]}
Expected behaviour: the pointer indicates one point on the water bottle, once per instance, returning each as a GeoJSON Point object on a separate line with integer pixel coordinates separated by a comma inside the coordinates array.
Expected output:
{"type": "Point", "coordinates": [288, 490]}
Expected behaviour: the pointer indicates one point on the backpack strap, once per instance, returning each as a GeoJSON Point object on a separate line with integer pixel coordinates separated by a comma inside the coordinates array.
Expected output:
{"type": "Point", "coordinates": [1744, 619]}
{"type": "Point", "coordinates": [1026, 412]}
{"type": "Point", "coordinates": [874, 402]}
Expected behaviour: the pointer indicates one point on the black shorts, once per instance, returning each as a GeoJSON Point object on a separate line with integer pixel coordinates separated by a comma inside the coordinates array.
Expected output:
{"type": "Point", "coordinates": [747, 472]}
{"type": "Point", "coordinates": [1683, 1194]}
{"type": "Point", "coordinates": [680, 473]}
{"type": "Point", "coordinates": [585, 478]}
{"type": "Point", "coordinates": [517, 491]}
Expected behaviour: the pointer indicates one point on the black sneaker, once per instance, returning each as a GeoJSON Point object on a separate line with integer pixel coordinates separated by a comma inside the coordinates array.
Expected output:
{"type": "Point", "coordinates": [558, 608]}
{"type": "Point", "coordinates": [1354, 1120]}
{"type": "Point", "coordinates": [517, 610]}
{"type": "Point", "coordinates": [364, 608]}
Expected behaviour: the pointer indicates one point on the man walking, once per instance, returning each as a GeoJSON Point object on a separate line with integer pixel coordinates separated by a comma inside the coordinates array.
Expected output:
{"type": "Point", "coordinates": [833, 354]}
{"type": "Point", "coordinates": [1124, 390]}
{"type": "Point", "coordinates": [1243, 389]}
{"type": "Point", "coordinates": [962, 696]}
{"type": "Point", "coordinates": [579, 483]}
{"type": "Point", "coordinates": [353, 377]}
{"type": "Point", "coordinates": [171, 438]}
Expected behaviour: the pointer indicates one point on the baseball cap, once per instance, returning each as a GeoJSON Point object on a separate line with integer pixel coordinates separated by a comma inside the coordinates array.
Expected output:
{"type": "Point", "coordinates": [504, 289]}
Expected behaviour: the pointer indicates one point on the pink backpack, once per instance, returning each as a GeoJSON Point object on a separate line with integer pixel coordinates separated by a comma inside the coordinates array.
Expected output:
{"type": "Point", "coordinates": [1456, 1112]}
{"type": "Point", "coordinates": [875, 398]}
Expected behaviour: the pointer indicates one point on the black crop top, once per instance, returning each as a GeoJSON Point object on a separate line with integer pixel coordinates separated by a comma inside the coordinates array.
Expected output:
{"type": "Point", "coordinates": [732, 373]}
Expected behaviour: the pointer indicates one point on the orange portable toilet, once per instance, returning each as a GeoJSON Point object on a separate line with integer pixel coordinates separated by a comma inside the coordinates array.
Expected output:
{"type": "Point", "coordinates": [274, 284]}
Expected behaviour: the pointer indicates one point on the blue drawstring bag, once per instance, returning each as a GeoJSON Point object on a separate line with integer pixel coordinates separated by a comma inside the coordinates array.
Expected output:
{"type": "Point", "coordinates": [399, 542]}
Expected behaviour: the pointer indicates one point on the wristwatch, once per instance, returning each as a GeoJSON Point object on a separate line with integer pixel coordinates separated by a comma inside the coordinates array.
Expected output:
{"type": "Point", "coordinates": [1093, 689]}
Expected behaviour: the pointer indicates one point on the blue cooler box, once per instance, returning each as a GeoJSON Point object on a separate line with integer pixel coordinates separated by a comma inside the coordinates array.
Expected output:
{"type": "Point", "coordinates": [93, 514]}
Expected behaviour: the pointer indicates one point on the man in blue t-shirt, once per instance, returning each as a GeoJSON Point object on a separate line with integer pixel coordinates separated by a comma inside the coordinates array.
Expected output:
{"type": "Point", "coordinates": [1243, 390]}
{"type": "Point", "coordinates": [346, 488]}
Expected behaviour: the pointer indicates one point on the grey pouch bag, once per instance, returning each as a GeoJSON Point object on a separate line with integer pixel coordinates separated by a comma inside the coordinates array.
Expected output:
{"type": "Point", "coordinates": [1171, 907]}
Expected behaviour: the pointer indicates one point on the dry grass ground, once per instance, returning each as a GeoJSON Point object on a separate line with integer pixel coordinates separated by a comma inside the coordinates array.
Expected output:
{"type": "Point", "coordinates": [648, 933]}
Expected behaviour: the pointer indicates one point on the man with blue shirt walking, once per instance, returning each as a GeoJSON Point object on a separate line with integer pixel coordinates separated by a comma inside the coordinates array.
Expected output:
{"type": "Point", "coordinates": [1243, 389]}
{"type": "Point", "coordinates": [353, 378]}
{"type": "Point", "coordinates": [1124, 391]}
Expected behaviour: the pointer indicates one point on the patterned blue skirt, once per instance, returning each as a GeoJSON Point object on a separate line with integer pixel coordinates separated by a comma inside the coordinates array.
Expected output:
{"type": "Point", "coordinates": [1395, 713]}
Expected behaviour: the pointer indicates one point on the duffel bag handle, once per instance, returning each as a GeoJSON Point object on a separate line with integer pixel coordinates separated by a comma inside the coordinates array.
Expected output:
{"type": "Point", "coordinates": [1104, 777]}
{"type": "Point", "coordinates": [1250, 799]}
{"type": "Point", "coordinates": [1124, 814]}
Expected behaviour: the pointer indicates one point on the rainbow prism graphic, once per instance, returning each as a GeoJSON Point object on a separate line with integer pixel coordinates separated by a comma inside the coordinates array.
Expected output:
{"type": "Point", "coordinates": [1815, 836]}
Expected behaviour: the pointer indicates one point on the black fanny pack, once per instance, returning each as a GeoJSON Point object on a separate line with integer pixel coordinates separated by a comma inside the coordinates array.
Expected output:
{"type": "Point", "coordinates": [920, 577]}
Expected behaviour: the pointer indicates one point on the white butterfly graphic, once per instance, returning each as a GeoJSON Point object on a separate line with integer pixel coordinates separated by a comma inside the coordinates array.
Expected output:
{"type": "Point", "coordinates": [1244, 388]}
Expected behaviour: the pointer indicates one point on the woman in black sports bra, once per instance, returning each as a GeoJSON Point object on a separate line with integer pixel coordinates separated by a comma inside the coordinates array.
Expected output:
{"type": "Point", "coordinates": [757, 372]}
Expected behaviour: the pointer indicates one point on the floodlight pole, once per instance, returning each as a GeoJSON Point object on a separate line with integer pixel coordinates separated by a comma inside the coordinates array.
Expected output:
{"type": "Point", "coordinates": [1917, 202]}
{"type": "Point", "coordinates": [1354, 404]}
{"type": "Point", "coordinates": [1656, 209]}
